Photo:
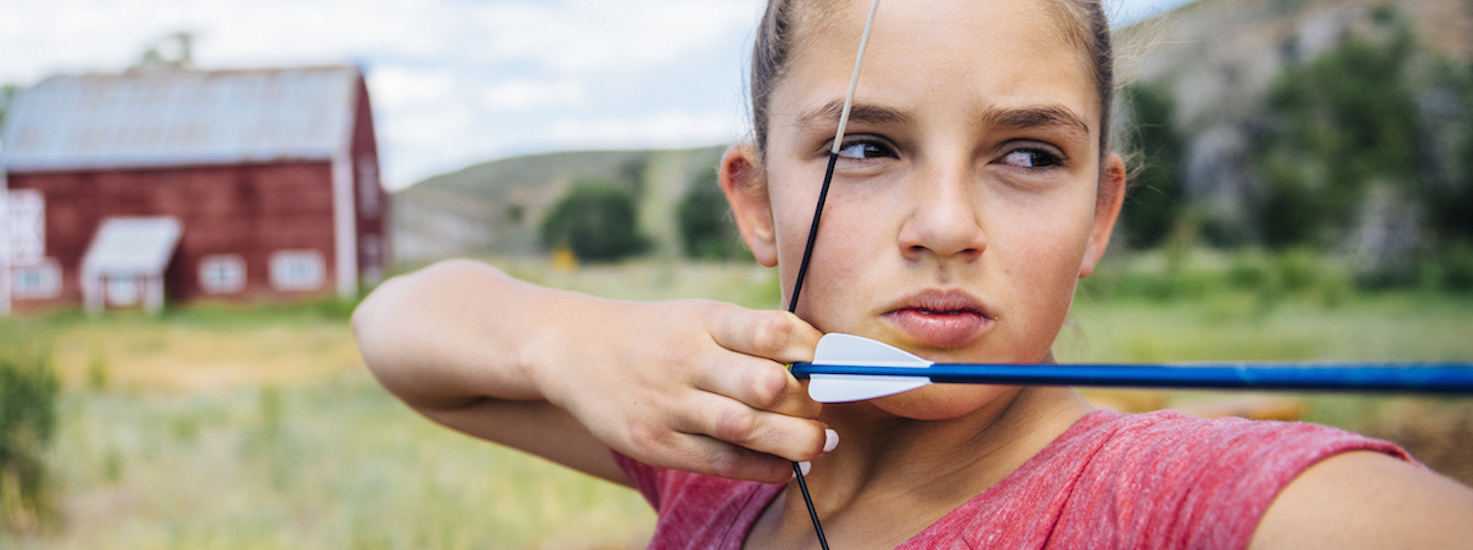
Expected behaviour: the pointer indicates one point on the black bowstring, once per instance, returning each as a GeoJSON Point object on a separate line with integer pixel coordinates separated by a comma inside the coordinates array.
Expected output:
{"type": "Point", "coordinates": [823, 195]}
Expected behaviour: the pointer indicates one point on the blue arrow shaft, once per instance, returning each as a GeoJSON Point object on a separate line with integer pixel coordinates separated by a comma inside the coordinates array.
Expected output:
{"type": "Point", "coordinates": [1447, 378]}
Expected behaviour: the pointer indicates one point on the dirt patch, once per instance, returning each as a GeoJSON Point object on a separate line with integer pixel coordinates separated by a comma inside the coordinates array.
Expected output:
{"type": "Point", "coordinates": [1438, 434]}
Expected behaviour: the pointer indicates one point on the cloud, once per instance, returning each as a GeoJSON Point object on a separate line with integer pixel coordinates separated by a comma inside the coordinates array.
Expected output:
{"type": "Point", "coordinates": [529, 94]}
{"type": "Point", "coordinates": [587, 35]}
{"type": "Point", "coordinates": [452, 81]}
{"type": "Point", "coordinates": [397, 87]}
{"type": "Point", "coordinates": [659, 129]}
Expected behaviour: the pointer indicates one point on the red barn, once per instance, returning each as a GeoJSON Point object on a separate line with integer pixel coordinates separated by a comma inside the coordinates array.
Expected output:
{"type": "Point", "coordinates": [240, 186]}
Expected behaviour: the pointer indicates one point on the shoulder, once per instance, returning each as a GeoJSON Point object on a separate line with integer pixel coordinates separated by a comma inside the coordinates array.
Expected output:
{"type": "Point", "coordinates": [1165, 479]}
{"type": "Point", "coordinates": [1367, 500]}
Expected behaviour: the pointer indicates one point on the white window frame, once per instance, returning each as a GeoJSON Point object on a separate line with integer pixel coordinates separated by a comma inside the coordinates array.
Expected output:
{"type": "Point", "coordinates": [298, 270]}
{"type": "Point", "coordinates": [46, 276]}
{"type": "Point", "coordinates": [27, 219]}
{"type": "Point", "coordinates": [222, 274]}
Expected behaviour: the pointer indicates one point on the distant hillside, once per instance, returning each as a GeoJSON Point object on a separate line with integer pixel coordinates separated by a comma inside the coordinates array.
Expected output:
{"type": "Point", "coordinates": [1217, 59]}
{"type": "Point", "coordinates": [495, 207]}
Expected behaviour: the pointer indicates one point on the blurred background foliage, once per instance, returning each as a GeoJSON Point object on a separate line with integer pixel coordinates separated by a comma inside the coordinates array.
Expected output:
{"type": "Point", "coordinates": [1326, 214]}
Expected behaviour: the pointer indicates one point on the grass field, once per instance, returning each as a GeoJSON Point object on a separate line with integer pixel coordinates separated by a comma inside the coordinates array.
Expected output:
{"type": "Point", "coordinates": [214, 428]}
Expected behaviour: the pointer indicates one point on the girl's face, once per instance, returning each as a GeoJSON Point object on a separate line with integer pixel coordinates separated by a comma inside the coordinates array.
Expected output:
{"type": "Point", "coordinates": [968, 197]}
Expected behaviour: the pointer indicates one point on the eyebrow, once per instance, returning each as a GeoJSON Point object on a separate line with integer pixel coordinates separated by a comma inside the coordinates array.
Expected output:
{"type": "Point", "coordinates": [1036, 117]}
{"type": "Point", "coordinates": [859, 112]}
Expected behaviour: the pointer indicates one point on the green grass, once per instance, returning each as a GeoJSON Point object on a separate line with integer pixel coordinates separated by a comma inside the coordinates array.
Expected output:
{"type": "Point", "coordinates": [198, 429]}
{"type": "Point", "coordinates": [334, 464]}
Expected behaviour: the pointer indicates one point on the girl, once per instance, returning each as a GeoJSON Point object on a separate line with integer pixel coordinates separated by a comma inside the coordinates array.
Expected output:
{"type": "Point", "coordinates": [975, 187]}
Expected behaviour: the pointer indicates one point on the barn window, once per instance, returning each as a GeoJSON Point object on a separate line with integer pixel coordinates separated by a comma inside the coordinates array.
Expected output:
{"type": "Point", "coordinates": [222, 274]}
{"type": "Point", "coordinates": [36, 282]}
{"type": "Point", "coordinates": [297, 270]}
{"type": "Point", "coordinates": [27, 225]}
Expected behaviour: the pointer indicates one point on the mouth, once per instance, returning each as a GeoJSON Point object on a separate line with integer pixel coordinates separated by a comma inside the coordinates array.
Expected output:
{"type": "Point", "coordinates": [940, 318]}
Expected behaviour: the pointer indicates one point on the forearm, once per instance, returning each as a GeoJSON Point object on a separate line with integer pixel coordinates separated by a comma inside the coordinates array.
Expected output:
{"type": "Point", "coordinates": [458, 332]}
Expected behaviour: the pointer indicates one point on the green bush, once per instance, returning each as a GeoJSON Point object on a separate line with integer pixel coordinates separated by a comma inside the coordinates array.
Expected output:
{"type": "Point", "coordinates": [707, 230]}
{"type": "Point", "coordinates": [28, 408]}
{"type": "Point", "coordinates": [1297, 270]}
{"type": "Point", "coordinates": [1335, 126]}
{"type": "Point", "coordinates": [597, 220]}
{"type": "Point", "coordinates": [1154, 203]}
{"type": "Point", "coordinates": [1450, 269]}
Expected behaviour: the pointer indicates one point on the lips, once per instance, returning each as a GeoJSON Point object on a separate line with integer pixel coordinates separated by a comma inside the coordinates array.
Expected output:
{"type": "Point", "coordinates": [940, 318]}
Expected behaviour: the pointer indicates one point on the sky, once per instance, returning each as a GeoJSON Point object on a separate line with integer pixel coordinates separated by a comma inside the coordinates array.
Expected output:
{"type": "Point", "coordinates": [453, 82]}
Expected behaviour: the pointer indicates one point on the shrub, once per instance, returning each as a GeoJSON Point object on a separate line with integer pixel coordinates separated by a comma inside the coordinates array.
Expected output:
{"type": "Point", "coordinates": [28, 400]}
{"type": "Point", "coordinates": [1155, 199]}
{"type": "Point", "coordinates": [1450, 269]}
{"type": "Point", "coordinates": [706, 226]}
{"type": "Point", "coordinates": [598, 221]}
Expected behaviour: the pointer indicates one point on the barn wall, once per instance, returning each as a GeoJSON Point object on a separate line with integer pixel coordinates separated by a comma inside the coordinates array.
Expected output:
{"type": "Point", "coordinates": [250, 210]}
{"type": "Point", "coordinates": [373, 211]}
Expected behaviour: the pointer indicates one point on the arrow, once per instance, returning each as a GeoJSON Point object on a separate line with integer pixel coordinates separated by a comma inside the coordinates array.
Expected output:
{"type": "Point", "coordinates": [851, 368]}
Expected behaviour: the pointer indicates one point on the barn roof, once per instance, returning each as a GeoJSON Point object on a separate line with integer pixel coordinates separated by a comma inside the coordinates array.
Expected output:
{"type": "Point", "coordinates": [170, 117]}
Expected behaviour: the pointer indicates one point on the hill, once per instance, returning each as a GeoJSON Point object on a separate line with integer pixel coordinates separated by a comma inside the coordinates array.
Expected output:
{"type": "Point", "coordinates": [495, 207]}
{"type": "Point", "coordinates": [1215, 59]}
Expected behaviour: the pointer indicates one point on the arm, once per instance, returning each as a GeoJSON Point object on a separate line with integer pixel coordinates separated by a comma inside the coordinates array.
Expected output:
{"type": "Point", "coordinates": [692, 385]}
{"type": "Point", "coordinates": [1365, 499]}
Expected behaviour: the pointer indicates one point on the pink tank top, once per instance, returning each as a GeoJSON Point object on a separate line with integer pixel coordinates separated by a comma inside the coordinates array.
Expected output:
{"type": "Point", "coordinates": [1156, 480]}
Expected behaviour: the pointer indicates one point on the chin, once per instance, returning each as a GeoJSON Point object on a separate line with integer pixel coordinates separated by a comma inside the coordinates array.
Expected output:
{"type": "Point", "coordinates": [943, 401]}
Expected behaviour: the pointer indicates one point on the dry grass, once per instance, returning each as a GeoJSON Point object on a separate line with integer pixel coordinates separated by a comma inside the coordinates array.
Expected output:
{"type": "Point", "coordinates": [252, 429]}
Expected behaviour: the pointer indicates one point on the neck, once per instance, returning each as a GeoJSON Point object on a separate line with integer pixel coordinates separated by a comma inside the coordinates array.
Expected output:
{"type": "Point", "coordinates": [926, 468]}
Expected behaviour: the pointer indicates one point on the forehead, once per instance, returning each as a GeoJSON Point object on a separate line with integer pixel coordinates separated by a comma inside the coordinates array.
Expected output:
{"type": "Point", "coordinates": [996, 52]}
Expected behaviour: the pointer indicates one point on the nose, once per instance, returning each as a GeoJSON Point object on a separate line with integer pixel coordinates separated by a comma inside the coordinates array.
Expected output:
{"type": "Point", "coordinates": [943, 219]}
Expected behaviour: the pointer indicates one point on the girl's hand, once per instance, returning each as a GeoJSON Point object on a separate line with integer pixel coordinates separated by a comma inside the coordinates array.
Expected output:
{"type": "Point", "coordinates": [691, 385]}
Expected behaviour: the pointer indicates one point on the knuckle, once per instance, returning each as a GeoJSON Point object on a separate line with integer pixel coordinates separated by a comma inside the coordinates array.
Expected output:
{"type": "Point", "coordinates": [773, 334]}
{"type": "Point", "coordinates": [727, 464]}
{"type": "Point", "coordinates": [768, 385]}
{"type": "Point", "coordinates": [735, 425]}
{"type": "Point", "coordinates": [645, 437]}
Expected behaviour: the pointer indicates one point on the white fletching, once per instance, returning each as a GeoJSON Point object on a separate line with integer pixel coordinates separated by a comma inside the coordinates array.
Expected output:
{"type": "Point", "coordinates": [847, 349]}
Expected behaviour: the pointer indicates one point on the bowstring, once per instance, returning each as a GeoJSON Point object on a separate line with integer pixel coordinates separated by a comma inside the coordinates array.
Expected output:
{"type": "Point", "coordinates": [823, 193]}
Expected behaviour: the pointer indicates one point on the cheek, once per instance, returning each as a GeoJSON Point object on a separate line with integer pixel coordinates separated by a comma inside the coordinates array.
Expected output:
{"type": "Point", "coordinates": [944, 401]}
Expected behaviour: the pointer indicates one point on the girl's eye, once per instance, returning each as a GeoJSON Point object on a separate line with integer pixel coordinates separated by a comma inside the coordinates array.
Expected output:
{"type": "Point", "coordinates": [865, 150]}
{"type": "Point", "coordinates": [1031, 158]}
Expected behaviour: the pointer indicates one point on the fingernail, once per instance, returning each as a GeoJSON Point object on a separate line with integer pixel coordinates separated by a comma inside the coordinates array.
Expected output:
{"type": "Point", "coordinates": [805, 467]}
{"type": "Point", "coordinates": [830, 440]}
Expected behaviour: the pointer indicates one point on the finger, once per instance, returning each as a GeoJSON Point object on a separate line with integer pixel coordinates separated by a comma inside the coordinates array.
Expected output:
{"type": "Point", "coordinates": [705, 455]}
{"type": "Point", "coordinates": [758, 383]}
{"type": "Point", "coordinates": [795, 439]}
{"type": "Point", "coordinates": [776, 335]}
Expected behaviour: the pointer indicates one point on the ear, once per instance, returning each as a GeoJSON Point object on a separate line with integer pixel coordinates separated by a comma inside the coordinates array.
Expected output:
{"type": "Point", "coordinates": [745, 184]}
{"type": "Point", "coordinates": [1108, 201]}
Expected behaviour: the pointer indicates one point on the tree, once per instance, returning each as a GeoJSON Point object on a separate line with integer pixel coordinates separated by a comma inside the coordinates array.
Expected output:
{"type": "Point", "coordinates": [1155, 201]}
{"type": "Point", "coordinates": [174, 50]}
{"type": "Point", "coordinates": [1339, 124]}
{"type": "Point", "coordinates": [1450, 207]}
{"type": "Point", "coordinates": [7, 97]}
{"type": "Point", "coordinates": [707, 229]}
{"type": "Point", "coordinates": [597, 220]}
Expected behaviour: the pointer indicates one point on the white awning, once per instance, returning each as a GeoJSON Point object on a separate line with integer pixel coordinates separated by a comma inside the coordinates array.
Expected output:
{"type": "Point", "coordinates": [137, 247]}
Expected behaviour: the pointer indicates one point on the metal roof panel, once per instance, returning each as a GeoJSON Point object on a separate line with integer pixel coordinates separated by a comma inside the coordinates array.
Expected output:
{"type": "Point", "coordinates": [132, 247]}
{"type": "Point", "coordinates": [171, 117]}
